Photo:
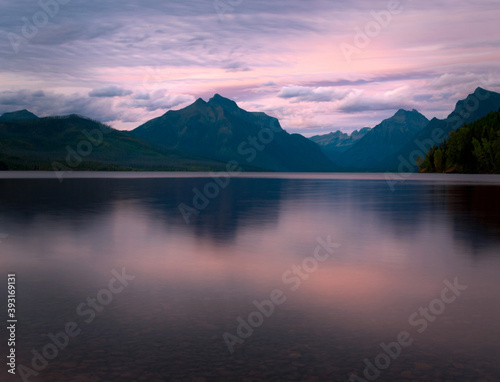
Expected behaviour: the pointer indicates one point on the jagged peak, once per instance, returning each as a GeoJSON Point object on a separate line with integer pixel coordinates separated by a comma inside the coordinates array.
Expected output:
{"type": "Point", "coordinates": [480, 93]}
{"type": "Point", "coordinates": [196, 105]}
{"type": "Point", "coordinates": [217, 99]}
{"type": "Point", "coordinates": [338, 132]}
{"type": "Point", "coordinates": [403, 111]}
{"type": "Point", "coordinates": [199, 101]}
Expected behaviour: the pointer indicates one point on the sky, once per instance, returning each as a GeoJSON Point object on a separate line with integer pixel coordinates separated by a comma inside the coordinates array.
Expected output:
{"type": "Point", "coordinates": [318, 66]}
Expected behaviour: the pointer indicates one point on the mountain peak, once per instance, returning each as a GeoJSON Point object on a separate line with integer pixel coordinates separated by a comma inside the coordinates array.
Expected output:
{"type": "Point", "coordinates": [199, 101]}
{"type": "Point", "coordinates": [337, 133]}
{"type": "Point", "coordinates": [217, 99]}
{"type": "Point", "coordinates": [474, 107]}
{"type": "Point", "coordinates": [20, 115]}
{"type": "Point", "coordinates": [480, 93]}
{"type": "Point", "coordinates": [196, 106]}
{"type": "Point", "coordinates": [400, 114]}
{"type": "Point", "coordinates": [221, 131]}
{"type": "Point", "coordinates": [403, 111]}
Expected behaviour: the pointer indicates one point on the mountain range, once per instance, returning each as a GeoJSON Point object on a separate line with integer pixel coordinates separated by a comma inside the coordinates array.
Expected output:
{"type": "Point", "coordinates": [74, 142]}
{"type": "Point", "coordinates": [206, 136]}
{"type": "Point", "coordinates": [383, 140]}
{"type": "Point", "coordinates": [336, 143]}
{"type": "Point", "coordinates": [219, 129]}
{"type": "Point", "coordinates": [477, 105]}
{"type": "Point", "coordinates": [396, 143]}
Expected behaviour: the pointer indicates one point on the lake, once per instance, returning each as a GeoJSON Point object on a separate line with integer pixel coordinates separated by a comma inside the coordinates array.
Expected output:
{"type": "Point", "coordinates": [263, 277]}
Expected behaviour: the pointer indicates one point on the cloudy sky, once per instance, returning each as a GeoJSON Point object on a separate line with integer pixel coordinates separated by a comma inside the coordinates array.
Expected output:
{"type": "Point", "coordinates": [318, 66]}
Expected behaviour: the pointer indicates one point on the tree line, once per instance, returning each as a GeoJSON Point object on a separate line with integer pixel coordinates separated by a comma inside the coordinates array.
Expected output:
{"type": "Point", "coordinates": [473, 148]}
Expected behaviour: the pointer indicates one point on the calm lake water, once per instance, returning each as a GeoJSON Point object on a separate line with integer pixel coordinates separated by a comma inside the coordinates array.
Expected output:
{"type": "Point", "coordinates": [419, 264]}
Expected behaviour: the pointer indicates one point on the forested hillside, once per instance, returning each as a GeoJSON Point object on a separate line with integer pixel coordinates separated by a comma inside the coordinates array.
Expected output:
{"type": "Point", "coordinates": [474, 148]}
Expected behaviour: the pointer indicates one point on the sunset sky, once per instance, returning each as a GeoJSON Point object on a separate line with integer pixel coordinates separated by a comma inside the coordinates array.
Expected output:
{"type": "Point", "coordinates": [125, 62]}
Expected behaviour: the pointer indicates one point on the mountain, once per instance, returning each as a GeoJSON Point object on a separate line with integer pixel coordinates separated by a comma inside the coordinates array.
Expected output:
{"type": "Point", "coordinates": [206, 135]}
{"type": "Point", "coordinates": [20, 115]}
{"type": "Point", "coordinates": [336, 143]}
{"type": "Point", "coordinates": [221, 130]}
{"type": "Point", "coordinates": [473, 148]}
{"type": "Point", "coordinates": [475, 106]}
{"type": "Point", "coordinates": [384, 139]}
{"type": "Point", "coordinates": [83, 144]}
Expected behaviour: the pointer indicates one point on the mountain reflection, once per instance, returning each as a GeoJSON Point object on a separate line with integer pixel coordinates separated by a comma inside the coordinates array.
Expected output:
{"type": "Point", "coordinates": [194, 280]}
{"type": "Point", "coordinates": [475, 211]}
{"type": "Point", "coordinates": [470, 211]}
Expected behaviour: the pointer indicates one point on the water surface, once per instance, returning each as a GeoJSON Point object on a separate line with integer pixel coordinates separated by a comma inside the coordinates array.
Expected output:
{"type": "Point", "coordinates": [396, 249]}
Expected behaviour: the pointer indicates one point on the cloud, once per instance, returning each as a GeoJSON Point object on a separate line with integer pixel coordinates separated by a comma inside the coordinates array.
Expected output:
{"type": "Point", "coordinates": [104, 109]}
{"type": "Point", "coordinates": [258, 47]}
{"type": "Point", "coordinates": [236, 67]}
{"type": "Point", "coordinates": [50, 104]}
{"type": "Point", "coordinates": [359, 101]}
{"type": "Point", "coordinates": [110, 91]}
{"type": "Point", "coordinates": [462, 83]}
{"type": "Point", "coordinates": [141, 95]}
{"type": "Point", "coordinates": [311, 94]}
{"type": "Point", "coordinates": [158, 100]}
{"type": "Point", "coordinates": [370, 79]}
